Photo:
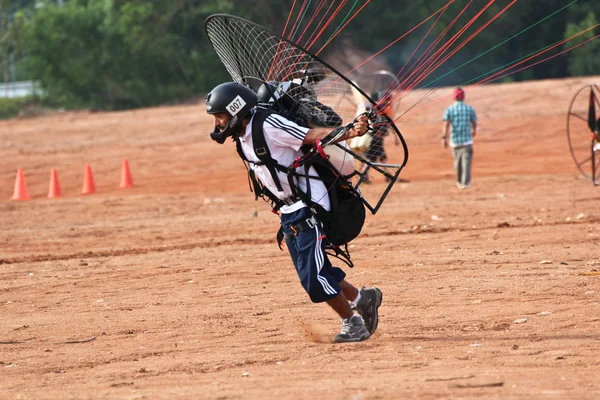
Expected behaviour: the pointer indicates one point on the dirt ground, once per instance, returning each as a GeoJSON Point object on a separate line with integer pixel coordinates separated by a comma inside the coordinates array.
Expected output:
{"type": "Point", "coordinates": [176, 288]}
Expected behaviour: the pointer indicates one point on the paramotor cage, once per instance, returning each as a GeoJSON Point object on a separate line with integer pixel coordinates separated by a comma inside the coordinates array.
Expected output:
{"type": "Point", "coordinates": [298, 85]}
{"type": "Point", "coordinates": [583, 132]}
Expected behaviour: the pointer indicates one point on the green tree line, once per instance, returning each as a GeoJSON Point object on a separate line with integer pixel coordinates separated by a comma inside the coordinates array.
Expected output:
{"type": "Point", "coordinates": [119, 54]}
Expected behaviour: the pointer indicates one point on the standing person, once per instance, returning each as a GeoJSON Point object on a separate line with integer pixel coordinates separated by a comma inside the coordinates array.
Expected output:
{"type": "Point", "coordinates": [374, 150]}
{"type": "Point", "coordinates": [463, 120]}
{"type": "Point", "coordinates": [233, 108]}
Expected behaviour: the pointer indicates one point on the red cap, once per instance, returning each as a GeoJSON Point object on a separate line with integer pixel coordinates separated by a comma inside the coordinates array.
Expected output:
{"type": "Point", "coordinates": [459, 94]}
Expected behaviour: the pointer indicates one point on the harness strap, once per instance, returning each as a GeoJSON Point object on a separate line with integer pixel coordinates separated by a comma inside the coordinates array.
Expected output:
{"type": "Point", "coordinates": [261, 149]}
{"type": "Point", "coordinates": [308, 223]}
{"type": "Point", "coordinates": [256, 186]}
{"type": "Point", "coordinates": [338, 252]}
{"type": "Point", "coordinates": [301, 168]}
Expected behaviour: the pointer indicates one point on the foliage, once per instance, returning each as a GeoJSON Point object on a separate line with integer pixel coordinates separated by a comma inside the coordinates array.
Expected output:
{"type": "Point", "coordinates": [584, 59]}
{"type": "Point", "coordinates": [116, 54]}
{"type": "Point", "coordinates": [10, 107]}
{"type": "Point", "coordinates": [100, 55]}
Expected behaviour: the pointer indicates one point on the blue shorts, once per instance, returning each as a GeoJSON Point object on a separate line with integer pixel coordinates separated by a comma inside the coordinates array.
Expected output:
{"type": "Point", "coordinates": [318, 277]}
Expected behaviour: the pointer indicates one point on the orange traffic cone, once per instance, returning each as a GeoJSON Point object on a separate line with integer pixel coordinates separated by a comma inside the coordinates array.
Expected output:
{"type": "Point", "coordinates": [54, 188]}
{"type": "Point", "coordinates": [20, 192]}
{"type": "Point", "coordinates": [126, 181]}
{"type": "Point", "coordinates": [88, 181]}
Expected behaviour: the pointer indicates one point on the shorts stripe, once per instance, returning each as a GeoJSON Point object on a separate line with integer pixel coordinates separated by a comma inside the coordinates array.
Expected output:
{"type": "Point", "coordinates": [319, 260]}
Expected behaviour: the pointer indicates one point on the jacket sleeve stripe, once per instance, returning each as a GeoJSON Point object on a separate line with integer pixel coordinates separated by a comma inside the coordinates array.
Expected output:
{"type": "Point", "coordinates": [297, 133]}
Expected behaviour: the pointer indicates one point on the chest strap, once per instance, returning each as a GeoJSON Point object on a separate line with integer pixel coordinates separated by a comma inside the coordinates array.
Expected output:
{"type": "Point", "coordinates": [261, 149]}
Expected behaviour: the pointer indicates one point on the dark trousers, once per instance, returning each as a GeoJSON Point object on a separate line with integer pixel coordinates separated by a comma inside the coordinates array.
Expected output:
{"type": "Point", "coordinates": [376, 152]}
{"type": "Point", "coordinates": [318, 277]}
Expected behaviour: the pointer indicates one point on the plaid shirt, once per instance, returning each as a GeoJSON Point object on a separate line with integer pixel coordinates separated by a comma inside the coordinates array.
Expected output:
{"type": "Point", "coordinates": [461, 116]}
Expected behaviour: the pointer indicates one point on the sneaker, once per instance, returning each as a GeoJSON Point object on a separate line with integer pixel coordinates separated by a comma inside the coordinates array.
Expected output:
{"type": "Point", "coordinates": [368, 305]}
{"type": "Point", "coordinates": [353, 330]}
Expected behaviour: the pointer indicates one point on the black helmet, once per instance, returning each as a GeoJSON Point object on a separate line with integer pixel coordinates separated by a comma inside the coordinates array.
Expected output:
{"type": "Point", "coordinates": [275, 93]}
{"type": "Point", "coordinates": [267, 92]}
{"type": "Point", "coordinates": [234, 99]}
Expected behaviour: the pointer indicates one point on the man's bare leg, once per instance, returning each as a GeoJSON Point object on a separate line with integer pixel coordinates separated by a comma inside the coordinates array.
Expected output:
{"type": "Point", "coordinates": [349, 290]}
{"type": "Point", "coordinates": [341, 306]}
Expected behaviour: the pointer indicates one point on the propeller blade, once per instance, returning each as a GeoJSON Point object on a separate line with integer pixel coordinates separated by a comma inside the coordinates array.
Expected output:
{"type": "Point", "coordinates": [592, 121]}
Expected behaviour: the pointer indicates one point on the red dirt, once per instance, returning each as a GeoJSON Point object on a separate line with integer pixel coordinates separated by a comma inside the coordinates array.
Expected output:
{"type": "Point", "coordinates": [175, 288]}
